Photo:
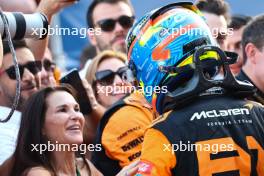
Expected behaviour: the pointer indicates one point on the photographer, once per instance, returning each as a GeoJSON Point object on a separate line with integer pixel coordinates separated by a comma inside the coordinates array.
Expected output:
{"type": "Point", "coordinates": [47, 7]}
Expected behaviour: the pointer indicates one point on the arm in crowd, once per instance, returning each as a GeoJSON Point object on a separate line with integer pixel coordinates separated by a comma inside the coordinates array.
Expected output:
{"type": "Point", "coordinates": [26, 6]}
{"type": "Point", "coordinates": [49, 8]}
{"type": "Point", "coordinates": [97, 109]}
{"type": "Point", "coordinates": [129, 170]}
{"type": "Point", "coordinates": [93, 119]}
{"type": "Point", "coordinates": [5, 169]}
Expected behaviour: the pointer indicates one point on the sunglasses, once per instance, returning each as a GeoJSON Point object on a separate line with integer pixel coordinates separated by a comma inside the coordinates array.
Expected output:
{"type": "Point", "coordinates": [34, 67]}
{"type": "Point", "coordinates": [107, 77]}
{"type": "Point", "coordinates": [48, 65]}
{"type": "Point", "coordinates": [108, 25]}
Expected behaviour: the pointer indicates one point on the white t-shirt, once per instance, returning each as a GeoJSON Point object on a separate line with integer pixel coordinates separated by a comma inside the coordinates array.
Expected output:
{"type": "Point", "coordinates": [8, 133]}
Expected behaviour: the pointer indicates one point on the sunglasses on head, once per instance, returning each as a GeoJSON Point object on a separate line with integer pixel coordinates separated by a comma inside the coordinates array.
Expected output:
{"type": "Point", "coordinates": [48, 65]}
{"type": "Point", "coordinates": [34, 67]}
{"type": "Point", "coordinates": [107, 77]}
{"type": "Point", "coordinates": [108, 25]}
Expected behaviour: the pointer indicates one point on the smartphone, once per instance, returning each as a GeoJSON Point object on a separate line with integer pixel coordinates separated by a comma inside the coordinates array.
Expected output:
{"type": "Point", "coordinates": [73, 78]}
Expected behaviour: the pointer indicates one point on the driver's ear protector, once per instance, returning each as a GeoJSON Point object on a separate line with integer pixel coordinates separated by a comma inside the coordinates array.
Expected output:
{"type": "Point", "coordinates": [201, 81]}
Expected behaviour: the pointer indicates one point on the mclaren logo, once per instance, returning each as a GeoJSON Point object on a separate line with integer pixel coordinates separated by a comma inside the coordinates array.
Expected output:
{"type": "Point", "coordinates": [219, 113]}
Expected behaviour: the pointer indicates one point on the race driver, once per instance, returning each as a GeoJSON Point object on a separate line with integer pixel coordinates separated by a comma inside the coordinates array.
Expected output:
{"type": "Point", "coordinates": [206, 127]}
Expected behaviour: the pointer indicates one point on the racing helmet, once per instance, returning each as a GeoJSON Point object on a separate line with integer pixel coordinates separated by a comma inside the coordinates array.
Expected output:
{"type": "Point", "coordinates": [163, 38]}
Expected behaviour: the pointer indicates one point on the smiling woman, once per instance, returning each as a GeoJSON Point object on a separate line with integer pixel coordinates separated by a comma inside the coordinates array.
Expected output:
{"type": "Point", "coordinates": [50, 137]}
{"type": "Point", "coordinates": [108, 70]}
{"type": "Point", "coordinates": [45, 120]}
{"type": "Point", "coordinates": [107, 74]}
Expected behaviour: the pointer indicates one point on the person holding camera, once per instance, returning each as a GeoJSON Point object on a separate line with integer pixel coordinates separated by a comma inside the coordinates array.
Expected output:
{"type": "Point", "coordinates": [24, 30]}
{"type": "Point", "coordinates": [206, 126]}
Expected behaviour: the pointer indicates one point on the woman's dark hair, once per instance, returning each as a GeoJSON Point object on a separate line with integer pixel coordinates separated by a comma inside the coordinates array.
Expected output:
{"type": "Point", "coordinates": [30, 133]}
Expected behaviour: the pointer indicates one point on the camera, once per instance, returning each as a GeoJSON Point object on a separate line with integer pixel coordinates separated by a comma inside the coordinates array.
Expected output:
{"type": "Point", "coordinates": [25, 25]}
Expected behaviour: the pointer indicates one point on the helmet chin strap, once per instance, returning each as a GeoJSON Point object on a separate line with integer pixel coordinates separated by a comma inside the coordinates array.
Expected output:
{"type": "Point", "coordinates": [200, 83]}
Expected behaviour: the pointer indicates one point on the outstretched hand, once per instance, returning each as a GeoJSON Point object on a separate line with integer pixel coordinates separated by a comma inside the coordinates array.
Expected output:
{"type": "Point", "coordinates": [129, 170]}
{"type": "Point", "coordinates": [50, 7]}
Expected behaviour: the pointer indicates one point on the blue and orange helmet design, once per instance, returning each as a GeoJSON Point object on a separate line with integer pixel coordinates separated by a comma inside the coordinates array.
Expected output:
{"type": "Point", "coordinates": [165, 37]}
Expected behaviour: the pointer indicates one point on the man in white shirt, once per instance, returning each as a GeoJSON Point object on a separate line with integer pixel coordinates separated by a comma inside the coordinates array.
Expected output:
{"type": "Point", "coordinates": [30, 76]}
{"type": "Point", "coordinates": [8, 133]}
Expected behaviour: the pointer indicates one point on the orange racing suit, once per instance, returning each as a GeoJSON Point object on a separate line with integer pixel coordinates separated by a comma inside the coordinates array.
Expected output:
{"type": "Point", "coordinates": [121, 133]}
{"type": "Point", "coordinates": [220, 136]}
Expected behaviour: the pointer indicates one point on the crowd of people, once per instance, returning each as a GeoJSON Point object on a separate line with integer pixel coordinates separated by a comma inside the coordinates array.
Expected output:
{"type": "Point", "coordinates": [179, 91]}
